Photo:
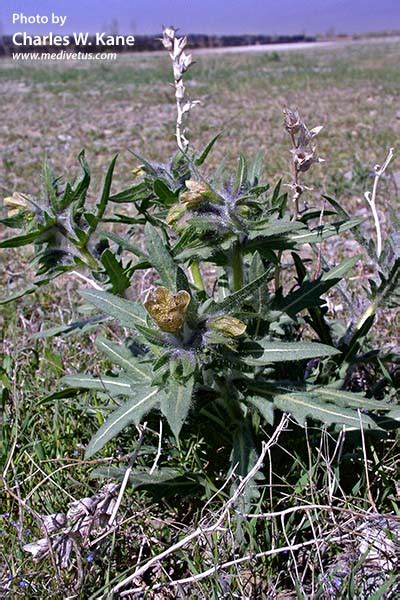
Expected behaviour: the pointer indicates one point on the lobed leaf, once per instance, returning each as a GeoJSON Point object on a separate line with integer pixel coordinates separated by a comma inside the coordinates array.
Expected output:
{"type": "Point", "coordinates": [309, 293]}
{"type": "Point", "coordinates": [115, 271]}
{"type": "Point", "coordinates": [264, 406]}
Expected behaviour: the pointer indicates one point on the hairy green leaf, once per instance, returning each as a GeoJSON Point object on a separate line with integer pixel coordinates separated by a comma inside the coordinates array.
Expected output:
{"type": "Point", "coordinates": [137, 477]}
{"type": "Point", "coordinates": [125, 244]}
{"type": "Point", "coordinates": [264, 406]}
{"type": "Point", "coordinates": [114, 386]}
{"type": "Point", "coordinates": [236, 299]}
{"type": "Point", "coordinates": [175, 407]}
{"type": "Point", "coordinates": [82, 325]}
{"type": "Point", "coordinates": [131, 412]}
{"type": "Point", "coordinates": [122, 356]}
{"type": "Point", "coordinates": [160, 258]}
{"type": "Point", "coordinates": [244, 457]}
{"type": "Point", "coordinates": [162, 191]}
{"type": "Point", "coordinates": [206, 151]}
{"type": "Point", "coordinates": [136, 193]}
{"type": "Point", "coordinates": [309, 293]}
{"type": "Point", "coordinates": [24, 239]}
{"type": "Point", "coordinates": [259, 354]}
{"type": "Point", "coordinates": [303, 405]}
{"type": "Point", "coordinates": [241, 174]}
{"type": "Point", "coordinates": [128, 313]}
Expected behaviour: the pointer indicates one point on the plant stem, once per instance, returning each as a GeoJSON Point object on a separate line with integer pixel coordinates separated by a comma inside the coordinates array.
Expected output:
{"type": "Point", "coordinates": [197, 276]}
{"type": "Point", "coordinates": [89, 259]}
{"type": "Point", "coordinates": [237, 266]}
{"type": "Point", "coordinates": [277, 277]}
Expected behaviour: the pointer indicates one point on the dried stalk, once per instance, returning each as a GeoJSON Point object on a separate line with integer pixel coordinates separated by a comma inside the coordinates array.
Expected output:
{"type": "Point", "coordinates": [371, 199]}
{"type": "Point", "coordinates": [303, 153]}
{"type": "Point", "coordinates": [180, 63]}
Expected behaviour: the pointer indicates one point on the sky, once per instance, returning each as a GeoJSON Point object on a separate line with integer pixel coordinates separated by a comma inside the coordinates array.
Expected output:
{"type": "Point", "coordinates": [206, 16]}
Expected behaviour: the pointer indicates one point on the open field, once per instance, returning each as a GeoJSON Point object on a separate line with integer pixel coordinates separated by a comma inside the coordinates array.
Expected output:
{"type": "Point", "coordinates": [55, 110]}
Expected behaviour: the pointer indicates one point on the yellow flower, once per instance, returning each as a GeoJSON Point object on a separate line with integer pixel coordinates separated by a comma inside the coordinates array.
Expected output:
{"type": "Point", "coordinates": [168, 310]}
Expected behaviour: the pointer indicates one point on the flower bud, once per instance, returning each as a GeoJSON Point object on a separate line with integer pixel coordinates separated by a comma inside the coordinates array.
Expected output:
{"type": "Point", "coordinates": [227, 325]}
{"type": "Point", "coordinates": [15, 203]}
{"type": "Point", "coordinates": [174, 214]}
{"type": "Point", "coordinates": [197, 193]}
{"type": "Point", "coordinates": [138, 171]}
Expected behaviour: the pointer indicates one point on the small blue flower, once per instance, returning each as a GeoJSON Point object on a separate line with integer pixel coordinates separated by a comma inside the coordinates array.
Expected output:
{"type": "Point", "coordinates": [5, 515]}
{"type": "Point", "coordinates": [90, 557]}
{"type": "Point", "coordinates": [23, 584]}
{"type": "Point", "coordinates": [337, 583]}
{"type": "Point", "coordinates": [75, 453]}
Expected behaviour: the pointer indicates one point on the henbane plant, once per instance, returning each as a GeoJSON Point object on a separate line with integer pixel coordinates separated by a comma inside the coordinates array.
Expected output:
{"type": "Point", "coordinates": [220, 338]}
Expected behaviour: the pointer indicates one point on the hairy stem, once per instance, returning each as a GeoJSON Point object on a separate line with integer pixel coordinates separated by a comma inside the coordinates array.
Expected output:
{"type": "Point", "coordinates": [237, 266]}
{"type": "Point", "coordinates": [180, 139]}
{"type": "Point", "coordinates": [197, 276]}
{"type": "Point", "coordinates": [87, 257]}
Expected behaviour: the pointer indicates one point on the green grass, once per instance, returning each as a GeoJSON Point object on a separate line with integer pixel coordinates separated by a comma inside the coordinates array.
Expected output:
{"type": "Point", "coordinates": [55, 110]}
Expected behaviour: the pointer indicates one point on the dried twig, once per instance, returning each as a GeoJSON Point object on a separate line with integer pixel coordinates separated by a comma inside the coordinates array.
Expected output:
{"type": "Point", "coordinates": [92, 283]}
{"type": "Point", "coordinates": [371, 199]}
{"type": "Point", "coordinates": [142, 430]}
{"type": "Point", "coordinates": [370, 497]}
{"type": "Point", "coordinates": [230, 563]}
{"type": "Point", "coordinates": [157, 458]}
{"type": "Point", "coordinates": [203, 529]}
